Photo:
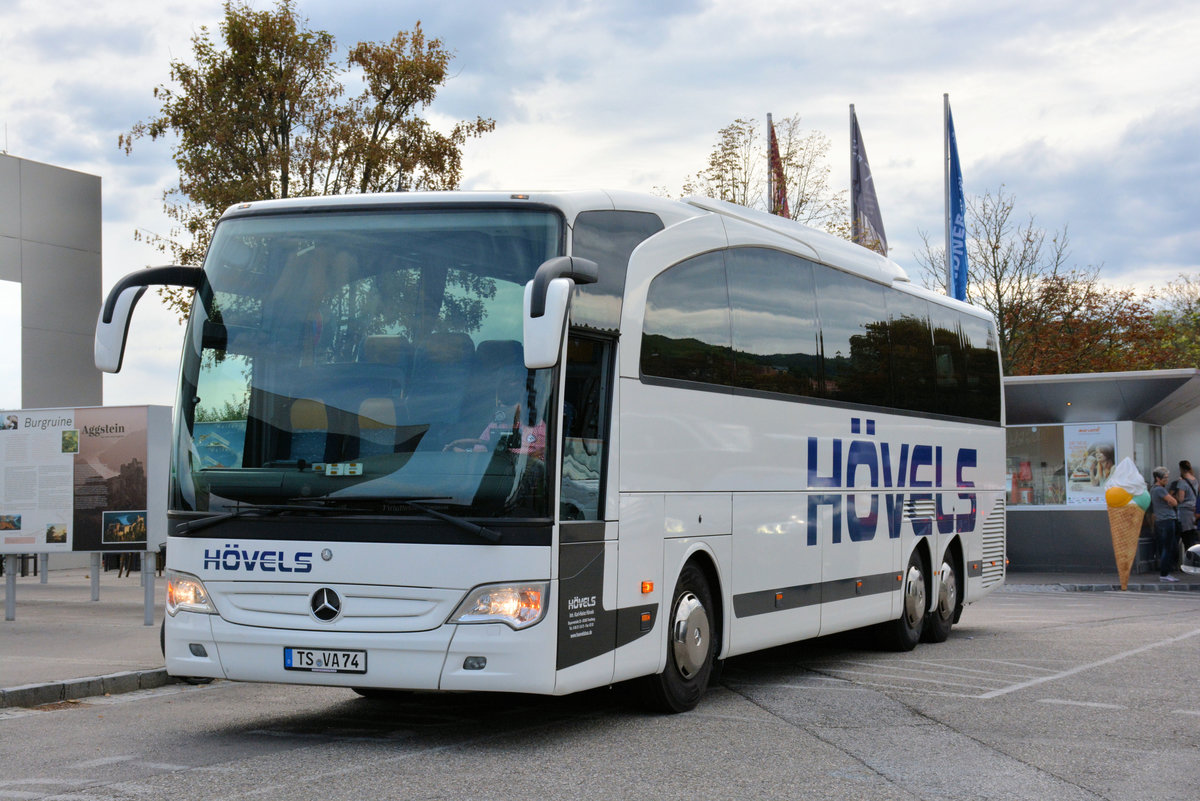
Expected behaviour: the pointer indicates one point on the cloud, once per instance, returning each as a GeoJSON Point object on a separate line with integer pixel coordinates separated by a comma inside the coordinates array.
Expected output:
{"type": "Point", "coordinates": [75, 40]}
{"type": "Point", "coordinates": [1130, 206]}
{"type": "Point", "coordinates": [1086, 112]}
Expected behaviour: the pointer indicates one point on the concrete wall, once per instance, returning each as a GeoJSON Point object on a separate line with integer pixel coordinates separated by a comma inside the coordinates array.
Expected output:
{"type": "Point", "coordinates": [1181, 440]}
{"type": "Point", "coordinates": [50, 244]}
{"type": "Point", "coordinates": [1057, 540]}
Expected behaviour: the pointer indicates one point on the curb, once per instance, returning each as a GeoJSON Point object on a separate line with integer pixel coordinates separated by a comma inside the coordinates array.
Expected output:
{"type": "Point", "coordinates": [72, 689]}
{"type": "Point", "coordinates": [1166, 587]}
{"type": "Point", "coordinates": [1114, 587]}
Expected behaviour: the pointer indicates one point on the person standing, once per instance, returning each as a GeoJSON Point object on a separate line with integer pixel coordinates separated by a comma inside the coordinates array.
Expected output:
{"type": "Point", "coordinates": [1186, 489]}
{"type": "Point", "coordinates": [1162, 504]}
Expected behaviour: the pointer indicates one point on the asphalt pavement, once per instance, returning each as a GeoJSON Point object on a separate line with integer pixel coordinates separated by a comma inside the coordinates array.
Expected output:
{"type": "Point", "coordinates": [62, 645]}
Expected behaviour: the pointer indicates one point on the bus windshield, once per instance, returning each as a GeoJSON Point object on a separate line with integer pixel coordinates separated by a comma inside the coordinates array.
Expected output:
{"type": "Point", "coordinates": [356, 357]}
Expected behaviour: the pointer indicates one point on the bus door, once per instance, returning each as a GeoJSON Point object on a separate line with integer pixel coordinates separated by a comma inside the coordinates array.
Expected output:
{"type": "Point", "coordinates": [587, 615]}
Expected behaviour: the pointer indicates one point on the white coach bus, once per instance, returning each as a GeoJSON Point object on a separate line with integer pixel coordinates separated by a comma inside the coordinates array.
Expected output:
{"type": "Point", "coordinates": [551, 441]}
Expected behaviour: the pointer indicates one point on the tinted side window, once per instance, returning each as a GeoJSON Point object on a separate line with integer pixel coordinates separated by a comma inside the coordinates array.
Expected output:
{"type": "Point", "coordinates": [854, 337]}
{"type": "Point", "coordinates": [949, 363]}
{"type": "Point", "coordinates": [775, 331]}
{"type": "Point", "coordinates": [912, 351]}
{"type": "Point", "coordinates": [685, 334]}
{"type": "Point", "coordinates": [981, 398]}
{"type": "Point", "coordinates": [585, 428]}
{"type": "Point", "coordinates": [607, 238]}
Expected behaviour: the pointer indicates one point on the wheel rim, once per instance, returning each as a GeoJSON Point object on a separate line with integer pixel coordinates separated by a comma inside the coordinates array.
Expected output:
{"type": "Point", "coordinates": [914, 597]}
{"type": "Point", "coordinates": [947, 592]}
{"type": "Point", "coordinates": [689, 635]}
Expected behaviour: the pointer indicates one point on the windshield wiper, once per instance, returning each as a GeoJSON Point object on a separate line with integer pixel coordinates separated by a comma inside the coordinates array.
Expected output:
{"type": "Point", "coordinates": [461, 523]}
{"type": "Point", "coordinates": [491, 535]}
{"type": "Point", "coordinates": [264, 510]}
{"type": "Point", "coordinates": [341, 506]}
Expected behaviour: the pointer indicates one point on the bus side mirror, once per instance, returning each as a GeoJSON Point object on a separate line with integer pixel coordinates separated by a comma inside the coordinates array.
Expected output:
{"type": "Point", "coordinates": [112, 326]}
{"type": "Point", "coordinates": [547, 299]}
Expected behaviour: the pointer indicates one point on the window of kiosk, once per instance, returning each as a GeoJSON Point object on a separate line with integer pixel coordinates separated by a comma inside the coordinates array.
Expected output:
{"type": "Point", "coordinates": [1036, 466]}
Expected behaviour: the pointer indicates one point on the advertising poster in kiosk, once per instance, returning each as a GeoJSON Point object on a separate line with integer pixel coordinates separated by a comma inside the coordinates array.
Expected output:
{"type": "Point", "coordinates": [85, 479]}
{"type": "Point", "coordinates": [1090, 455]}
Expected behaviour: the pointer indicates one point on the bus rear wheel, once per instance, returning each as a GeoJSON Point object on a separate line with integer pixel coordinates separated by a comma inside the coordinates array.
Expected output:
{"type": "Point", "coordinates": [939, 622]}
{"type": "Point", "coordinates": [691, 647]}
{"type": "Point", "coordinates": [904, 633]}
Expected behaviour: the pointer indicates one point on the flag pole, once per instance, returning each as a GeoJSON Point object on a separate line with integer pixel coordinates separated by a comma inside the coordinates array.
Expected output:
{"type": "Point", "coordinates": [770, 169]}
{"type": "Point", "coordinates": [854, 232]}
{"type": "Point", "coordinates": [946, 166]}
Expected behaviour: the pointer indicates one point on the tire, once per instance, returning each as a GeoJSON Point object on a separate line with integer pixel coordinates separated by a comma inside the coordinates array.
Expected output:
{"type": "Point", "coordinates": [196, 680]}
{"type": "Point", "coordinates": [162, 644]}
{"type": "Point", "coordinates": [947, 606]}
{"type": "Point", "coordinates": [378, 694]}
{"type": "Point", "coordinates": [904, 633]}
{"type": "Point", "coordinates": [691, 647]}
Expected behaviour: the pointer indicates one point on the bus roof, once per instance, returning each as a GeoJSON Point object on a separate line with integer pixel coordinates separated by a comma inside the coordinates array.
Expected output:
{"type": "Point", "coordinates": [829, 249]}
{"type": "Point", "coordinates": [569, 202]}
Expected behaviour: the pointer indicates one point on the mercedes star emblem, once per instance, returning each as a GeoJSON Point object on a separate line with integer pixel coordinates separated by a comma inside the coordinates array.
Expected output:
{"type": "Point", "coordinates": [325, 604]}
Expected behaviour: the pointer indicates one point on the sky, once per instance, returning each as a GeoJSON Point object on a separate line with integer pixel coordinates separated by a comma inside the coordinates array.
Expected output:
{"type": "Point", "coordinates": [1087, 114]}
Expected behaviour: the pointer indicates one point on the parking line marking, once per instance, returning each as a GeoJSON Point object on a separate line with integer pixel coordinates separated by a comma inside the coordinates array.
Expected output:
{"type": "Point", "coordinates": [1080, 668]}
{"type": "Point", "coordinates": [1093, 704]}
{"type": "Point", "coordinates": [951, 668]}
{"type": "Point", "coordinates": [103, 761]}
{"type": "Point", "coordinates": [881, 674]}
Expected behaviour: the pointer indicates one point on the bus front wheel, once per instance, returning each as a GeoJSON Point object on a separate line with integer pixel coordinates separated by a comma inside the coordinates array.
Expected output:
{"type": "Point", "coordinates": [380, 694]}
{"type": "Point", "coordinates": [691, 646]}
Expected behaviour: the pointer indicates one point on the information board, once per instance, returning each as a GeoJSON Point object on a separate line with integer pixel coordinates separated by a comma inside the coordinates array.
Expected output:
{"type": "Point", "coordinates": [84, 479]}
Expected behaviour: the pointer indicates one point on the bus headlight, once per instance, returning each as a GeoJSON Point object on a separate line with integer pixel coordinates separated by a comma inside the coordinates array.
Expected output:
{"type": "Point", "coordinates": [187, 594]}
{"type": "Point", "coordinates": [517, 605]}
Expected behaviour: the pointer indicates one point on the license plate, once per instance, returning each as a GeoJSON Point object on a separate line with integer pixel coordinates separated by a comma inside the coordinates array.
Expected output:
{"type": "Point", "coordinates": [323, 661]}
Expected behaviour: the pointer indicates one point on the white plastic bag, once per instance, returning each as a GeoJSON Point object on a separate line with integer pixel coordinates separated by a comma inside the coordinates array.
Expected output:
{"type": "Point", "coordinates": [1126, 476]}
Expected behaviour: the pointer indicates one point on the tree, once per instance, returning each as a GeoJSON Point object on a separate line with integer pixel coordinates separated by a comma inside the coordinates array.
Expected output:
{"type": "Point", "coordinates": [1086, 327]}
{"type": "Point", "coordinates": [806, 175]}
{"type": "Point", "coordinates": [1177, 322]}
{"type": "Point", "coordinates": [1050, 318]}
{"type": "Point", "coordinates": [1006, 261]}
{"type": "Point", "coordinates": [261, 115]}
{"type": "Point", "coordinates": [736, 171]}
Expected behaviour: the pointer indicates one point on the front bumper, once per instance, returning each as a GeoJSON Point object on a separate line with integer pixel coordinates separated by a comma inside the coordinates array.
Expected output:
{"type": "Point", "coordinates": [516, 661]}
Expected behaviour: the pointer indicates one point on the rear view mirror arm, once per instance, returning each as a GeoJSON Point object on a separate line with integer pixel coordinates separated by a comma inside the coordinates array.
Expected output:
{"type": "Point", "coordinates": [579, 270]}
{"type": "Point", "coordinates": [172, 275]}
{"type": "Point", "coordinates": [112, 326]}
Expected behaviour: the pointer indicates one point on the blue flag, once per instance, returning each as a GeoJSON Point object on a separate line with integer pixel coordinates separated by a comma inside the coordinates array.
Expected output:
{"type": "Point", "coordinates": [956, 223]}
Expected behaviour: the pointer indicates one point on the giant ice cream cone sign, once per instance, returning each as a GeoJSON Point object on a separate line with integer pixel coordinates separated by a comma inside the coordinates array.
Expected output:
{"type": "Point", "coordinates": [1127, 499]}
